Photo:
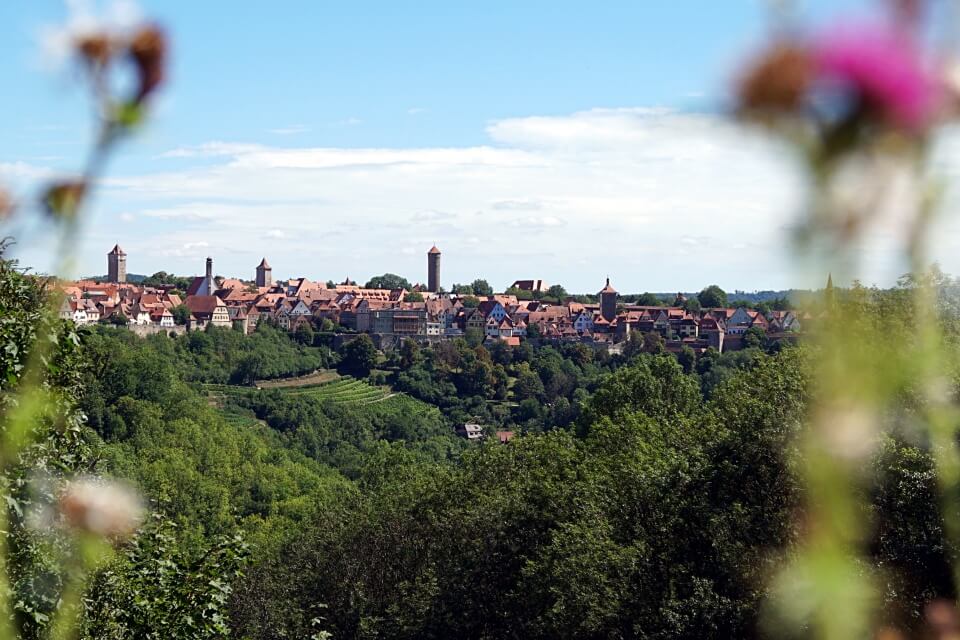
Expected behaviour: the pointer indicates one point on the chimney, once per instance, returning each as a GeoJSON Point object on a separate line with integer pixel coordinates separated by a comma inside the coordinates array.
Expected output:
{"type": "Point", "coordinates": [209, 268]}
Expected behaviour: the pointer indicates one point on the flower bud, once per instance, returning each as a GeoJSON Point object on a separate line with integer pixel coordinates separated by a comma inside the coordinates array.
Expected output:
{"type": "Point", "coordinates": [777, 81]}
{"type": "Point", "coordinates": [62, 199]}
{"type": "Point", "coordinates": [96, 49]}
{"type": "Point", "coordinates": [7, 204]}
{"type": "Point", "coordinates": [148, 50]}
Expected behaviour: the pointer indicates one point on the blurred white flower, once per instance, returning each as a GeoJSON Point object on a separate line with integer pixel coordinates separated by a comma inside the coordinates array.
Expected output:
{"type": "Point", "coordinates": [849, 432]}
{"type": "Point", "coordinates": [104, 508]}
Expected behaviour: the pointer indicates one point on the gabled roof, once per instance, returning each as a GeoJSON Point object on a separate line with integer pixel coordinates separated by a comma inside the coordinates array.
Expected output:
{"type": "Point", "coordinates": [195, 284]}
{"type": "Point", "coordinates": [203, 304]}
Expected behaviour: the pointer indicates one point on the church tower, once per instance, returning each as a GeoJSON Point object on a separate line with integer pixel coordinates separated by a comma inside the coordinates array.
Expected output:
{"type": "Point", "coordinates": [433, 269]}
{"type": "Point", "coordinates": [264, 274]}
{"type": "Point", "coordinates": [208, 285]}
{"type": "Point", "coordinates": [608, 302]}
{"type": "Point", "coordinates": [117, 265]}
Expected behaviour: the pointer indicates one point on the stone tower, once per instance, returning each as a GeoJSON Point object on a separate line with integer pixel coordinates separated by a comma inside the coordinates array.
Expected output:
{"type": "Point", "coordinates": [208, 284]}
{"type": "Point", "coordinates": [433, 269]}
{"type": "Point", "coordinates": [117, 265]}
{"type": "Point", "coordinates": [264, 274]}
{"type": "Point", "coordinates": [608, 302]}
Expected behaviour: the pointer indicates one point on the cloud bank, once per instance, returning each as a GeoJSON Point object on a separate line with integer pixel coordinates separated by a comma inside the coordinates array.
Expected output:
{"type": "Point", "coordinates": [656, 198]}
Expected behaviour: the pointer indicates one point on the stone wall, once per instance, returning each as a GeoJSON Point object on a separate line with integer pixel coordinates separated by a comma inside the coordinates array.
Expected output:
{"type": "Point", "coordinates": [148, 329]}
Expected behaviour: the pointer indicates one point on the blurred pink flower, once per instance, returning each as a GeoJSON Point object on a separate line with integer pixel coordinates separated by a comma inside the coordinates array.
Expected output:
{"type": "Point", "coordinates": [884, 67]}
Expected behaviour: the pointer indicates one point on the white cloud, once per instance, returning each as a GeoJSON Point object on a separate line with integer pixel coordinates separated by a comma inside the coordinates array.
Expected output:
{"type": "Point", "coordinates": [432, 216]}
{"type": "Point", "coordinates": [658, 199]}
{"type": "Point", "coordinates": [186, 250]}
{"type": "Point", "coordinates": [289, 131]}
{"type": "Point", "coordinates": [536, 222]}
{"type": "Point", "coordinates": [23, 171]}
{"type": "Point", "coordinates": [517, 205]}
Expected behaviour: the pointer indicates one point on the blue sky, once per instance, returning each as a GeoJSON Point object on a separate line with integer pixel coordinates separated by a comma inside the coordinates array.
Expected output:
{"type": "Point", "coordinates": [557, 140]}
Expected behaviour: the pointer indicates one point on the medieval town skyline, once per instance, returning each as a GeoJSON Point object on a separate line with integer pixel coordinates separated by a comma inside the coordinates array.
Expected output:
{"type": "Point", "coordinates": [357, 173]}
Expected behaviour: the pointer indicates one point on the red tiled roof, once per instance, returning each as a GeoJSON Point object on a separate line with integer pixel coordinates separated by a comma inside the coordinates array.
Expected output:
{"type": "Point", "coordinates": [203, 304]}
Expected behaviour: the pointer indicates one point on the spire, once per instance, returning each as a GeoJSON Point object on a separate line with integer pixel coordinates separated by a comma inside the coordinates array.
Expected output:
{"type": "Point", "coordinates": [116, 251]}
{"type": "Point", "coordinates": [264, 264]}
{"type": "Point", "coordinates": [608, 288]}
{"type": "Point", "coordinates": [433, 250]}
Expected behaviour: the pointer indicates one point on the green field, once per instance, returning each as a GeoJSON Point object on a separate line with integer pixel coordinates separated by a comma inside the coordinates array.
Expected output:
{"type": "Point", "coordinates": [343, 390]}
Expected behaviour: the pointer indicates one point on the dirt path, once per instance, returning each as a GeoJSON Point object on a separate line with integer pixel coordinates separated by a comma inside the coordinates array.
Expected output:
{"type": "Point", "coordinates": [317, 377]}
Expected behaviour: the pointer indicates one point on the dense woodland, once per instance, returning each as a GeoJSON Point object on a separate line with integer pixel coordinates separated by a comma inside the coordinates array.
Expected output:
{"type": "Point", "coordinates": [645, 495]}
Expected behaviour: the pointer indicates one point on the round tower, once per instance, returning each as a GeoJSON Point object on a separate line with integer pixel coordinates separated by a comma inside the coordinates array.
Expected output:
{"type": "Point", "coordinates": [433, 270]}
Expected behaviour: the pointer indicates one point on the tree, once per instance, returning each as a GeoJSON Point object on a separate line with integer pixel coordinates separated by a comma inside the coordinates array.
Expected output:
{"type": "Point", "coordinates": [712, 297]}
{"type": "Point", "coordinates": [649, 300]}
{"type": "Point", "coordinates": [181, 314]}
{"type": "Point", "coordinates": [118, 319]}
{"type": "Point", "coordinates": [409, 353]}
{"type": "Point", "coordinates": [481, 288]}
{"type": "Point", "coordinates": [687, 359]}
{"type": "Point", "coordinates": [388, 281]}
{"type": "Point", "coordinates": [634, 344]}
{"type": "Point", "coordinates": [521, 294]}
{"type": "Point", "coordinates": [413, 296]}
{"type": "Point", "coordinates": [692, 305]}
{"type": "Point", "coordinates": [359, 356]}
{"type": "Point", "coordinates": [162, 278]}
{"type": "Point", "coordinates": [304, 333]}
{"type": "Point", "coordinates": [754, 337]}
{"type": "Point", "coordinates": [470, 302]}
{"type": "Point", "coordinates": [528, 384]}
{"type": "Point", "coordinates": [557, 292]}
{"type": "Point", "coordinates": [462, 290]}
{"type": "Point", "coordinates": [474, 336]}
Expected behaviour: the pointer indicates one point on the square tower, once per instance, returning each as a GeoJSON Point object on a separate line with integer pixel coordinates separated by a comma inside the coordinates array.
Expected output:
{"type": "Point", "coordinates": [264, 274]}
{"type": "Point", "coordinates": [117, 265]}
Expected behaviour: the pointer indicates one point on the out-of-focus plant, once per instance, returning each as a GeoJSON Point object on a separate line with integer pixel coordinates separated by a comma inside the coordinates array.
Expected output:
{"type": "Point", "coordinates": [161, 596]}
{"type": "Point", "coordinates": [860, 103]}
{"type": "Point", "coordinates": [58, 525]}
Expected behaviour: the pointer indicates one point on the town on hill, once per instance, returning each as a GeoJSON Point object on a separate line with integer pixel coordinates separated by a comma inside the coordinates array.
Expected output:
{"type": "Point", "coordinates": [395, 310]}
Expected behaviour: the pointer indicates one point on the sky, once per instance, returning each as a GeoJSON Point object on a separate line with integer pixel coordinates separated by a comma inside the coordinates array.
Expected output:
{"type": "Point", "coordinates": [566, 141]}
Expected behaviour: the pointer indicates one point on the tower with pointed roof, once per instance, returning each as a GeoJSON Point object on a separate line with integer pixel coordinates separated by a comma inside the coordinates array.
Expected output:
{"type": "Point", "coordinates": [117, 265]}
{"type": "Point", "coordinates": [264, 274]}
{"type": "Point", "coordinates": [608, 302]}
{"type": "Point", "coordinates": [433, 269]}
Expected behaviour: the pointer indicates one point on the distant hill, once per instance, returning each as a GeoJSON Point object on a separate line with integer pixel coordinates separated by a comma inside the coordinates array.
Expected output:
{"type": "Point", "coordinates": [133, 278]}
